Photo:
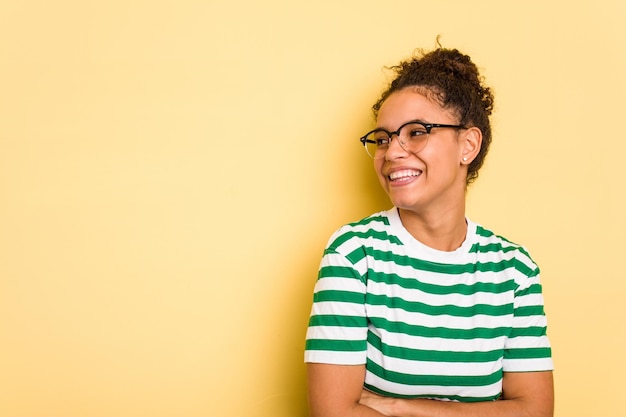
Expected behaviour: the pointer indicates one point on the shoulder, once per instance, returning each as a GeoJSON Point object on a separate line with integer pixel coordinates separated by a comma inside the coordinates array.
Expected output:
{"type": "Point", "coordinates": [376, 227]}
{"type": "Point", "coordinates": [495, 247]}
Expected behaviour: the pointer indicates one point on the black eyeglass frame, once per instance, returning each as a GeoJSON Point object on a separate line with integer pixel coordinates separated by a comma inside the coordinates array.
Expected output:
{"type": "Point", "coordinates": [427, 126]}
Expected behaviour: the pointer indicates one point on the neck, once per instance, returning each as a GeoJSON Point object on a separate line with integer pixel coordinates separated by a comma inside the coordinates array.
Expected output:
{"type": "Point", "coordinates": [444, 231]}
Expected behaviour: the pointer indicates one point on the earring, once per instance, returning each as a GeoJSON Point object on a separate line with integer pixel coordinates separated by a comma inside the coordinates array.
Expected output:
{"type": "Point", "coordinates": [465, 159]}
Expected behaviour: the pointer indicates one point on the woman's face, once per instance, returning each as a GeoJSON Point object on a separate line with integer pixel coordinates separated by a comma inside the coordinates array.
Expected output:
{"type": "Point", "coordinates": [432, 179]}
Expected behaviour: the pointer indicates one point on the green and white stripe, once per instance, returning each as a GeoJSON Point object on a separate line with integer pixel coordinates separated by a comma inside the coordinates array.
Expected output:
{"type": "Point", "coordinates": [427, 323]}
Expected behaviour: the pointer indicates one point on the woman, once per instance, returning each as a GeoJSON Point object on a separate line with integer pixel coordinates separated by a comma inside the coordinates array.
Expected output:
{"type": "Point", "coordinates": [418, 311]}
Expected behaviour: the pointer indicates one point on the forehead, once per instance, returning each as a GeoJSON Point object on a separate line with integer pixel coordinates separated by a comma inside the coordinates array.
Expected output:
{"type": "Point", "coordinates": [412, 104]}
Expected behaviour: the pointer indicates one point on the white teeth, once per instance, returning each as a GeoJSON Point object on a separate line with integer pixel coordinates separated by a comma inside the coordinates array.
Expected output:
{"type": "Point", "coordinates": [404, 173]}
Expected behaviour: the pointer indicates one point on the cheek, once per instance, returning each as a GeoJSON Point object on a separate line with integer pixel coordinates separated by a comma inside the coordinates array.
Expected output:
{"type": "Point", "coordinates": [376, 163]}
{"type": "Point", "coordinates": [378, 167]}
{"type": "Point", "coordinates": [443, 168]}
{"type": "Point", "coordinates": [443, 158]}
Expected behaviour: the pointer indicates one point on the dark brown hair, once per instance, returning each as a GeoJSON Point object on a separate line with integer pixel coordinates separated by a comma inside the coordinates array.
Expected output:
{"type": "Point", "coordinates": [451, 79]}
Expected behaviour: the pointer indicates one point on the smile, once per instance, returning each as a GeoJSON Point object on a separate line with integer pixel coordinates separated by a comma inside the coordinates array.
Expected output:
{"type": "Point", "coordinates": [404, 174]}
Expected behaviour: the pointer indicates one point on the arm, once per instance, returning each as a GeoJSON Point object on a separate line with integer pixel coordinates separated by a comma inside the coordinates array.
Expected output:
{"type": "Point", "coordinates": [335, 390]}
{"type": "Point", "coordinates": [525, 394]}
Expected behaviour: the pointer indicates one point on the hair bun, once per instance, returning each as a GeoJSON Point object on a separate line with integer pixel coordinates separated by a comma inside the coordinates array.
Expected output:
{"type": "Point", "coordinates": [453, 80]}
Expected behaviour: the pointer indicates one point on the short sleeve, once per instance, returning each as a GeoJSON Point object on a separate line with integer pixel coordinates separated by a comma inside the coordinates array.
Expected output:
{"type": "Point", "coordinates": [527, 347]}
{"type": "Point", "coordinates": [337, 332]}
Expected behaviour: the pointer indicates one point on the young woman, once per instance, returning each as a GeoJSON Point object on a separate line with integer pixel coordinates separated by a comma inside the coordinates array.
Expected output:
{"type": "Point", "coordinates": [418, 311]}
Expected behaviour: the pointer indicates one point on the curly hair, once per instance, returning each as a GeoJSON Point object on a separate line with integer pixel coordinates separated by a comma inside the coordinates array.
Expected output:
{"type": "Point", "coordinates": [451, 79]}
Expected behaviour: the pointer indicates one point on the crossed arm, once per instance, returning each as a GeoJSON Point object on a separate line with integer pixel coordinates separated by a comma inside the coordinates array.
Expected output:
{"type": "Point", "coordinates": [337, 391]}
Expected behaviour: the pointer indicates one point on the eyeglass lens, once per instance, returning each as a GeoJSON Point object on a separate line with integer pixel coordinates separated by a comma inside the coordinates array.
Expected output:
{"type": "Point", "coordinates": [411, 137]}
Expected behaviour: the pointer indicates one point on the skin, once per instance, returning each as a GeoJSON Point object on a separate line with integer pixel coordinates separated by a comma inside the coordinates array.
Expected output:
{"type": "Point", "coordinates": [431, 205]}
{"type": "Point", "coordinates": [432, 209]}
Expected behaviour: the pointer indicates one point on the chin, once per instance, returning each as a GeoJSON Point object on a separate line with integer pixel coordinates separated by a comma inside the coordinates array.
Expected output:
{"type": "Point", "coordinates": [404, 203]}
{"type": "Point", "coordinates": [403, 198]}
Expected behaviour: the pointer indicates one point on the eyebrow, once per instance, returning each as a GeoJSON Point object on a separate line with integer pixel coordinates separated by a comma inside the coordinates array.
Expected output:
{"type": "Point", "coordinates": [402, 124]}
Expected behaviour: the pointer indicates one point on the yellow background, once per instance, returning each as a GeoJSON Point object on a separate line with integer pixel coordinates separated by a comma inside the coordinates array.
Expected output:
{"type": "Point", "coordinates": [170, 173]}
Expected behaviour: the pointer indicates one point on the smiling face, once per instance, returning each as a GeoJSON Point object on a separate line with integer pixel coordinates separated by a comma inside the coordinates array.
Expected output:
{"type": "Point", "coordinates": [434, 179]}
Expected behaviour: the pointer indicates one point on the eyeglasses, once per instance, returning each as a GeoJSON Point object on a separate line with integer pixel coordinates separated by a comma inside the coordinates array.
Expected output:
{"type": "Point", "coordinates": [412, 137]}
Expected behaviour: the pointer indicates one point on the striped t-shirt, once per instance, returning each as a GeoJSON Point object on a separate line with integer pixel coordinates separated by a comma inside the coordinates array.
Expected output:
{"type": "Point", "coordinates": [427, 323]}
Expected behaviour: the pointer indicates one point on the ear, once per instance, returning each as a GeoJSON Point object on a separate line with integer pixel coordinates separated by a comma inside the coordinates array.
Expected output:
{"type": "Point", "coordinates": [470, 141]}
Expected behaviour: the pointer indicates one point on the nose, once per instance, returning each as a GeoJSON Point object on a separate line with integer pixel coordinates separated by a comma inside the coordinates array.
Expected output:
{"type": "Point", "coordinates": [395, 149]}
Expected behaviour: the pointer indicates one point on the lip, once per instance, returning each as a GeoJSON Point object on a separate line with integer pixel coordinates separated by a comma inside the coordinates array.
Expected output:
{"type": "Point", "coordinates": [402, 175]}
